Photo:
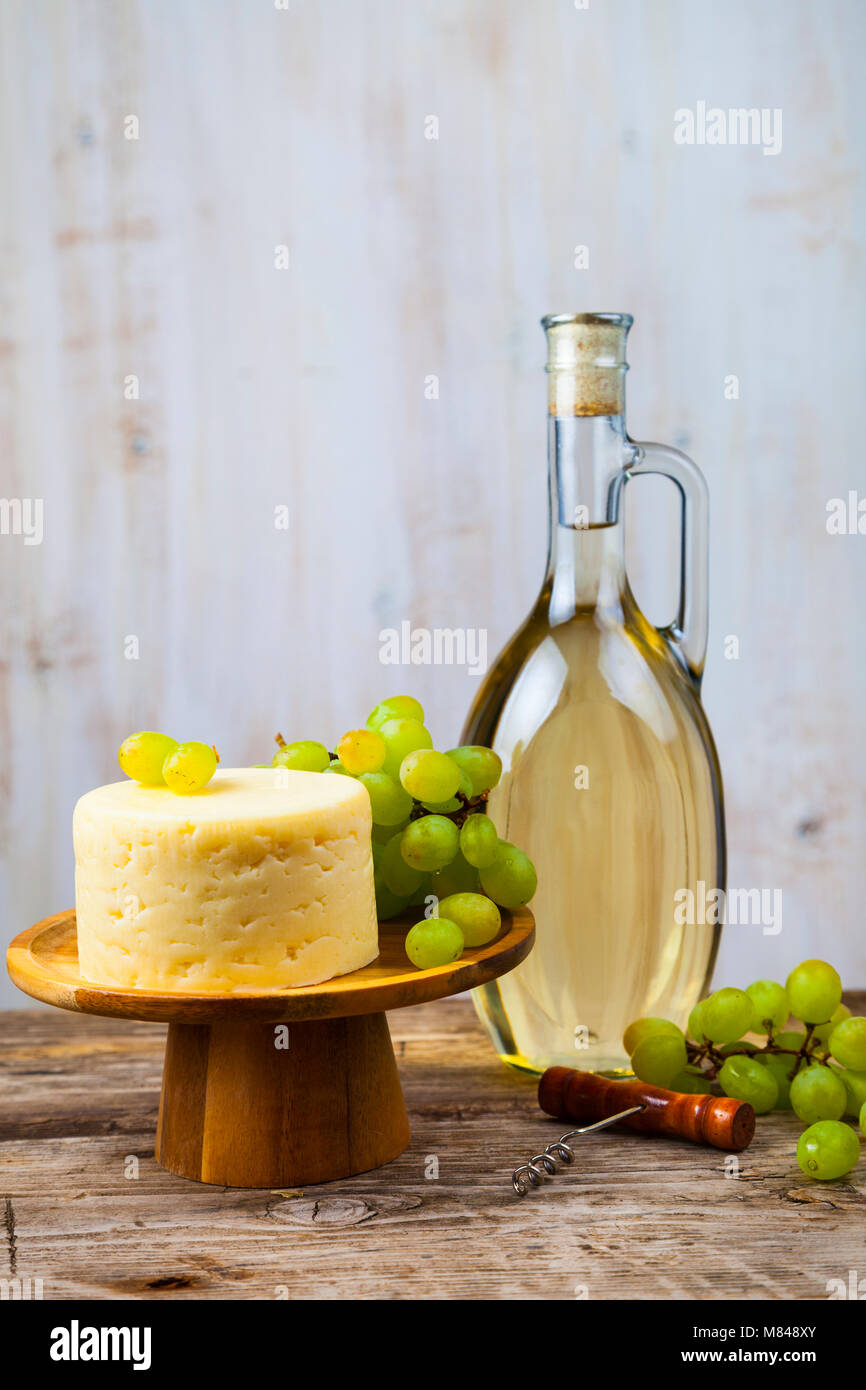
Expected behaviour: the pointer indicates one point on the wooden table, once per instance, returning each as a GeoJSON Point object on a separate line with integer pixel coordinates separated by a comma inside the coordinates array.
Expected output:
{"type": "Point", "coordinates": [90, 1213]}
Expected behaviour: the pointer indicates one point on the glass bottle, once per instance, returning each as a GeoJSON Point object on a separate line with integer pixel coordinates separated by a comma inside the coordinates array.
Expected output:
{"type": "Point", "coordinates": [610, 777]}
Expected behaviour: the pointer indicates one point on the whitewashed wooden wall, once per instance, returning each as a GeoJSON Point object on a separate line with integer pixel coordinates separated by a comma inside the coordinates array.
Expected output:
{"type": "Point", "coordinates": [306, 128]}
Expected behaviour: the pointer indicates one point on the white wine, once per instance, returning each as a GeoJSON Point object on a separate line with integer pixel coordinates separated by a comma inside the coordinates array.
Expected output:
{"type": "Point", "coordinates": [611, 782]}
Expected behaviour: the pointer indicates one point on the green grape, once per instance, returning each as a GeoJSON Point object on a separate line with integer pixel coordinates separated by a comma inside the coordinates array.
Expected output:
{"type": "Point", "coordinates": [692, 1082]}
{"type": "Point", "coordinates": [695, 1026]}
{"type": "Point", "coordinates": [792, 1040]}
{"type": "Point", "coordinates": [727, 1015]}
{"type": "Point", "coordinates": [389, 803]}
{"type": "Point", "coordinates": [658, 1058]}
{"type": "Point", "coordinates": [482, 766]}
{"type": "Point", "coordinates": [456, 877]}
{"type": "Point", "coordinates": [816, 1094]}
{"type": "Point", "coordinates": [361, 750]}
{"type": "Point", "coordinates": [828, 1150]}
{"type": "Point", "coordinates": [388, 905]}
{"type": "Point", "coordinates": [781, 1068]}
{"type": "Point", "coordinates": [422, 892]}
{"type": "Point", "coordinates": [429, 843]}
{"type": "Point", "coordinates": [304, 756]}
{"type": "Point", "coordinates": [190, 767]}
{"type": "Point", "coordinates": [823, 1031]}
{"type": "Point", "coordinates": [142, 756]}
{"type": "Point", "coordinates": [402, 736]}
{"type": "Point", "coordinates": [444, 808]}
{"type": "Point", "coordinates": [479, 841]}
{"type": "Point", "coordinates": [848, 1043]}
{"type": "Point", "coordinates": [429, 776]}
{"type": "Point", "coordinates": [511, 879]}
{"type": "Point", "coordinates": [863, 1118]}
{"type": "Point", "coordinates": [383, 833]}
{"type": "Point", "coordinates": [395, 707]}
{"type": "Point", "coordinates": [336, 766]}
{"type": "Point", "coordinates": [855, 1089]}
{"type": "Point", "coordinates": [395, 873]}
{"type": "Point", "coordinates": [771, 1004]}
{"type": "Point", "coordinates": [745, 1079]}
{"type": "Point", "coordinates": [647, 1028]}
{"type": "Point", "coordinates": [434, 941]}
{"type": "Point", "coordinates": [477, 917]}
{"type": "Point", "coordinates": [814, 991]}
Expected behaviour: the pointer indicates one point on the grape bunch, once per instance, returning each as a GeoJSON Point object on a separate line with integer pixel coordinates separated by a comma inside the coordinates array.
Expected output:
{"type": "Point", "coordinates": [155, 760]}
{"type": "Point", "coordinates": [818, 1071]}
{"type": "Point", "coordinates": [433, 843]}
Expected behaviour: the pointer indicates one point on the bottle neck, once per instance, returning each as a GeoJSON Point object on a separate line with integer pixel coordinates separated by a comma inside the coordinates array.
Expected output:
{"type": "Point", "coordinates": [586, 554]}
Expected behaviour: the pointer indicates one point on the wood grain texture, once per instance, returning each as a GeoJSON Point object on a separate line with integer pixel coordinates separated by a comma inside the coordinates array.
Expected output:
{"type": "Point", "coordinates": [43, 962]}
{"type": "Point", "coordinates": [91, 1213]}
{"type": "Point", "coordinates": [237, 1111]}
{"type": "Point", "coordinates": [412, 258]}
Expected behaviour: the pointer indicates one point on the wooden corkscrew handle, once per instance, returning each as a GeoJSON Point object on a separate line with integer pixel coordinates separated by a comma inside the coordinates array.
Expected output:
{"type": "Point", "coordinates": [584, 1097]}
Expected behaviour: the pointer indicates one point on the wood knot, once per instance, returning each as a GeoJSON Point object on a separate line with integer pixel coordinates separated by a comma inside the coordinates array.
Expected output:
{"type": "Point", "coordinates": [337, 1212]}
{"type": "Point", "coordinates": [809, 826]}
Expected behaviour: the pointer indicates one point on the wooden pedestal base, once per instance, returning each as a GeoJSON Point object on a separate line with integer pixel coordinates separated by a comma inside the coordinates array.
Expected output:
{"type": "Point", "coordinates": [241, 1108]}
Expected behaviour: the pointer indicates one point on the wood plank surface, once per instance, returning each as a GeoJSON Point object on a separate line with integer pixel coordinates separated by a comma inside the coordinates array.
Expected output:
{"type": "Point", "coordinates": [89, 1211]}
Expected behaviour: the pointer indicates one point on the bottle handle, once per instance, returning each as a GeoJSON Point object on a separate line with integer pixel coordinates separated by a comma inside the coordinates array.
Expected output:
{"type": "Point", "coordinates": [687, 634]}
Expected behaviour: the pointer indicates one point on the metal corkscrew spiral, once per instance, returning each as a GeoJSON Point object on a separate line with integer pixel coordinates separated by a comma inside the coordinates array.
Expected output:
{"type": "Point", "coordinates": [543, 1165]}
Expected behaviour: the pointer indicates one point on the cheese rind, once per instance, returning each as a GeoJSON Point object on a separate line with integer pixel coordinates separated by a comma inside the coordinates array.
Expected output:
{"type": "Point", "coordinates": [261, 881]}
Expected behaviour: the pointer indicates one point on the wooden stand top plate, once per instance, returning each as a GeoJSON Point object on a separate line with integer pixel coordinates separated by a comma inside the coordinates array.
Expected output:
{"type": "Point", "coordinates": [43, 962]}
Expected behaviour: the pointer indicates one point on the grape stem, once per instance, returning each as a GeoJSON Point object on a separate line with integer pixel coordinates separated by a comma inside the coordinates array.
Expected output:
{"type": "Point", "coordinates": [470, 804]}
{"type": "Point", "coordinates": [805, 1054]}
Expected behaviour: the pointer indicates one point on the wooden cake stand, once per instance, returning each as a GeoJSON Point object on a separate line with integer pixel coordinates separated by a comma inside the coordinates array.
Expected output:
{"type": "Point", "coordinates": [248, 1103]}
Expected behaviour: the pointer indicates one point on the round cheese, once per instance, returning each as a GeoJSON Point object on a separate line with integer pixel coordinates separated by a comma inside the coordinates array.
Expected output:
{"type": "Point", "coordinates": [263, 880]}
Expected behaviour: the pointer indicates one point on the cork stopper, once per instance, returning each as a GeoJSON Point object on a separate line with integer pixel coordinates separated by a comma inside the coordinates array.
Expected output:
{"type": "Point", "coordinates": [586, 363]}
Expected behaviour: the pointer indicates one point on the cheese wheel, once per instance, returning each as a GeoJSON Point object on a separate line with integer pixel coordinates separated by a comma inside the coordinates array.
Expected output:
{"type": "Point", "coordinates": [261, 881]}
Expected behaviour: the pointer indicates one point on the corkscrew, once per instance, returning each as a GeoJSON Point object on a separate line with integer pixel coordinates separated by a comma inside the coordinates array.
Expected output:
{"type": "Point", "coordinates": [598, 1100]}
{"type": "Point", "coordinates": [540, 1166]}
